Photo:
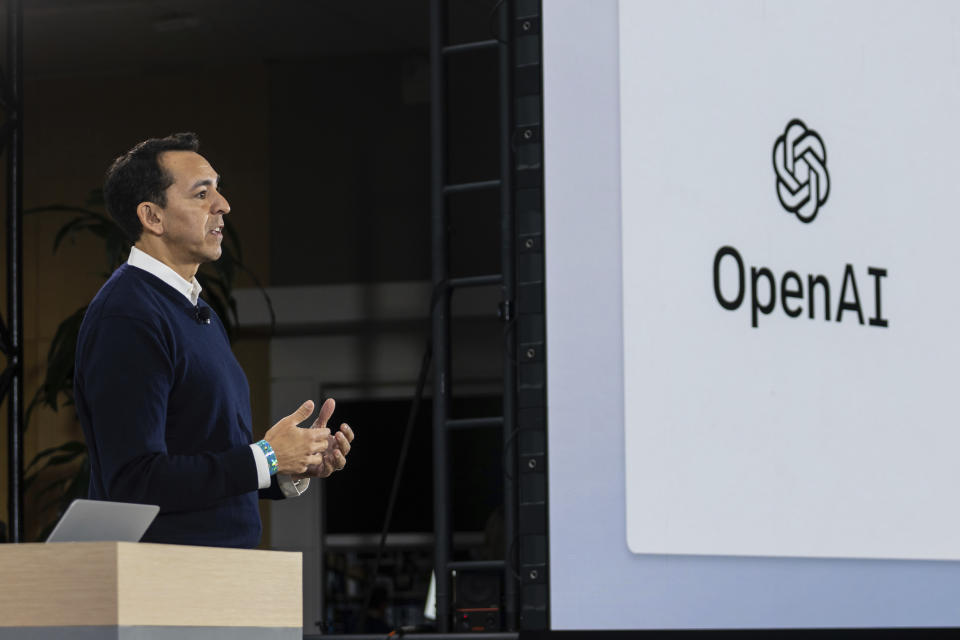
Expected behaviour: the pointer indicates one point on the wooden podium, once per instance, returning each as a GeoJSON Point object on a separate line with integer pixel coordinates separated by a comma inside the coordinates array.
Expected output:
{"type": "Point", "coordinates": [127, 590]}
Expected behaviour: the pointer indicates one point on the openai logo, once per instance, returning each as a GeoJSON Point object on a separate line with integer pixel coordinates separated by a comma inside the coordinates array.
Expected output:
{"type": "Point", "coordinates": [800, 160]}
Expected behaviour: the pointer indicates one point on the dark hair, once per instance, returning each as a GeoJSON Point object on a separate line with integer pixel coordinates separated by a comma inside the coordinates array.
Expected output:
{"type": "Point", "coordinates": [137, 177]}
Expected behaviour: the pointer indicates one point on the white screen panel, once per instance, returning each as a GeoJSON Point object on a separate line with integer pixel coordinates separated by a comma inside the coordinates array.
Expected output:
{"type": "Point", "coordinates": [761, 430]}
{"type": "Point", "coordinates": [699, 157]}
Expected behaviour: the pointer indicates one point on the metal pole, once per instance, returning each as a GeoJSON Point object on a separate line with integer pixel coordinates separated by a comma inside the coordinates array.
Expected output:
{"type": "Point", "coordinates": [508, 296]}
{"type": "Point", "coordinates": [321, 604]}
{"type": "Point", "coordinates": [15, 268]}
{"type": "Point", "coordinates": [440, 317]}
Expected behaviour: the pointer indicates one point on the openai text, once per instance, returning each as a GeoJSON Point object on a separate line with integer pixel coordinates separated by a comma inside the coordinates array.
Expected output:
{"type": "Point", "coordinates": [796, 294]}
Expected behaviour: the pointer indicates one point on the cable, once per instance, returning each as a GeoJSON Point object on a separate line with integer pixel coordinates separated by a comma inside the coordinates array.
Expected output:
{"type": "Point", "coordinates": [266, 297]}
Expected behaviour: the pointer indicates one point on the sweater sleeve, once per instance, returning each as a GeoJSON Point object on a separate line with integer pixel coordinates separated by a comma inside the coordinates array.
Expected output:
{"type": "Point", "coordinates": [272, 492]}
{"type": "Point", "coordinates": [128, 376]}
{"type": "Point", "coordinates": [283, 486]}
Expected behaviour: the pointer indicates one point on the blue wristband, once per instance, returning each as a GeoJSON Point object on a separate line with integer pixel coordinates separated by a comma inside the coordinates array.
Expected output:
{"type": "Point", "coordinates": [271, 456]}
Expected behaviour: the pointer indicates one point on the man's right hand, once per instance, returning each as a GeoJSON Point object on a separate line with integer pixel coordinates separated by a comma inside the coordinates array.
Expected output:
{"type": "Point", "coordinates": [296, 448]}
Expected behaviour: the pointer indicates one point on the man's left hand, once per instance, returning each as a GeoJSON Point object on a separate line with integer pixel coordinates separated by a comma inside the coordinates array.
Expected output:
{"type": "Point", "coordinates": [335, 457]}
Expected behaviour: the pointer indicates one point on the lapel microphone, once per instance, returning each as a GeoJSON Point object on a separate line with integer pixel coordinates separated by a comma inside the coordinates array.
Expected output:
{"type": "Point", "coordinates": [202, 314]}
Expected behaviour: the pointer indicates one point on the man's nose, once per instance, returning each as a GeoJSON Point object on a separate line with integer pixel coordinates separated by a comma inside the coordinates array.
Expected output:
{"type": "Point", "coordinates": [221, 206]}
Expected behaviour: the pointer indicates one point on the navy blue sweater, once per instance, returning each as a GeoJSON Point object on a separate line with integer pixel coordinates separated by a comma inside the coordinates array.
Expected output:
{"type": "Point", "coordinates": [165, 410]}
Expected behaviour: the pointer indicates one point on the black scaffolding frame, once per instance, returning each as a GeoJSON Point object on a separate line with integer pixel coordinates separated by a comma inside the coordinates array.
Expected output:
{"type": "Point", "coordinates": [531, 536]}
{"type": "Point", "coordinates": [523, 423]}
{"type": "Point", "coordinates": [11, 329]}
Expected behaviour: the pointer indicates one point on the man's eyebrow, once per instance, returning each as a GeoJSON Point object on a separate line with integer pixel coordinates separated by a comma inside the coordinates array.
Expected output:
{"type": "Point", "coordinates": [206, 182]}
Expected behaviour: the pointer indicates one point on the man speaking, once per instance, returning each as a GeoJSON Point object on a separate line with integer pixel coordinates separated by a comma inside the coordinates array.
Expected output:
{"type": "Point", "coordinates": [164, 405]}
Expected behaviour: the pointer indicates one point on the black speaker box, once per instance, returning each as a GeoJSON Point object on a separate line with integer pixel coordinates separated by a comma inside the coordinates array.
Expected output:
{"type": "Point", "coordinates": [477, 601]}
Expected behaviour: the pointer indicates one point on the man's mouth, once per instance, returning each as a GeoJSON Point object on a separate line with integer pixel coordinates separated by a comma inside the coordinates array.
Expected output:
{"type": "Point", "coordinates": [217, 231]}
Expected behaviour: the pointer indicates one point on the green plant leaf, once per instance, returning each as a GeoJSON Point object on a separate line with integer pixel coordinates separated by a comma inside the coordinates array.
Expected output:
{"type": "Point", "coordinates": [57, 485]}
{"type": "Point", "coordinates": [63, 454]}
{"type": "Point", "coordinates": [71, 228]}
{"type": "Point", "coordinates": [73, 446]}
{"type": "Point", "coordinates": [79, 485]}
{"type": "Point", "coordinates": [58, 377]}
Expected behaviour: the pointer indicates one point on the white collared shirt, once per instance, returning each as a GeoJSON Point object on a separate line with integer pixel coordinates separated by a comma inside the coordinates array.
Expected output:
{"type": "Point", "coordinates": [145, 261]}
{"type": "Point", "coordinates": [191, 290]}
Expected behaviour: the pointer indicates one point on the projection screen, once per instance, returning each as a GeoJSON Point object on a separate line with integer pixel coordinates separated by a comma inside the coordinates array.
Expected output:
{"type": "Point", "coordinates": [750, 306]}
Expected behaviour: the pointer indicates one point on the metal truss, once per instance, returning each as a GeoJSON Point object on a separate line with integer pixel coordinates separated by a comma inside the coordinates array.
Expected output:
{"type": "Point", "coordinates": [11, 324]}
{"type": "Point", "coordinates": [523, 423]}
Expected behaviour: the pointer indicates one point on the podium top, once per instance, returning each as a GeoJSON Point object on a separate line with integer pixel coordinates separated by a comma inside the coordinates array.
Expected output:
{"type": "Point", "coordinates": [144, 584]}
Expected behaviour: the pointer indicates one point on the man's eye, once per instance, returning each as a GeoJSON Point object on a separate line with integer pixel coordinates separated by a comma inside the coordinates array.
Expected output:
{"type": "Point", "coordinates": [202, 195]}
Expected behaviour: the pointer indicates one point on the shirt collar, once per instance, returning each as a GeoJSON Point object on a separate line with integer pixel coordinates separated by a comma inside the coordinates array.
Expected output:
{"type": "Point", "coordinates": [142, 260]}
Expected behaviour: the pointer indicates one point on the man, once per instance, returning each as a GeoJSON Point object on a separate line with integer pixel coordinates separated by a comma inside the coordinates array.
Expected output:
{"type": "Point", "coordinates": [164, 405]}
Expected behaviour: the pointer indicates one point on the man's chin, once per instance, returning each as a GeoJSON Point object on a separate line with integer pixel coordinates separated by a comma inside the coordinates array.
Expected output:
{"type": "Point", "coordinates": [211, 256]}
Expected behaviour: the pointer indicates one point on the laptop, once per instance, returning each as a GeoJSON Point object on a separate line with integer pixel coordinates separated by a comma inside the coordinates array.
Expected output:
{"type": "Point", "coordinates": [101, 521]}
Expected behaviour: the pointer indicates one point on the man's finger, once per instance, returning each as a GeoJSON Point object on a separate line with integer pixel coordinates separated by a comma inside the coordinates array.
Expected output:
{"type": "Point", "coordinates": [343, 443]}
{"type": "Point", "coordinates": [341, 460]}
{"type": "Point", "coordinates": [347, 431]}
{"type": "Point", "coordinates": [320, 446]}
{"type": "Point", "coordinates": [326, 468]}
{"type": "Point", "coordinates": [326, 410]}
{"type": "Point", "coordinates": [316, 441]}
{"type": "Point", "coordinates": [303, 412]}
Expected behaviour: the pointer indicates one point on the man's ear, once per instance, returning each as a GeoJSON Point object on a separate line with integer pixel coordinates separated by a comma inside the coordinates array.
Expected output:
{"type": "Point", "coordinates": [151, 217]}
